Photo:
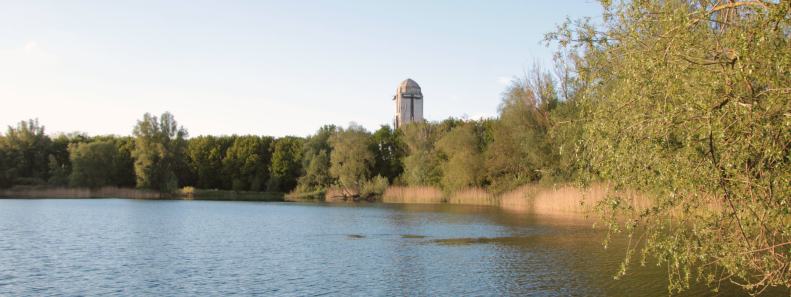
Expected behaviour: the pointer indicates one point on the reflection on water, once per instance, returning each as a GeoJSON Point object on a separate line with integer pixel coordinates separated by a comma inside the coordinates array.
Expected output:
{"type": "Point", "coordinates": [132, 247]}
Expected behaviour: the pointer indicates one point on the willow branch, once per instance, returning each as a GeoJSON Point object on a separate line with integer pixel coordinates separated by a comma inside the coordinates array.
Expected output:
{"type": "Point", "coordinates": [738, 4]}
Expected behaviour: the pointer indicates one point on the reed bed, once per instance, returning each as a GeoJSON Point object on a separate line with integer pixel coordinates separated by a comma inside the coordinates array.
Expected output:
{"type": "Point", "coordinates": [521, 198]}
{"type": "Point", "coordinates": [187, 193]}
{"type": "Point", "coordinates": [565, 198]}
{"type": "Point", "coordinates": [528, 197]}
{"type": "Point", "coordinates": [106, 192]}
{"type": "Point", "coordinates": [413, 194]}
{"type": "Point", "coordinates": [477, 196]}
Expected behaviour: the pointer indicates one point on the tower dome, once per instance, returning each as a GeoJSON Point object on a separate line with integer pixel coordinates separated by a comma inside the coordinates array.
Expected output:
{"type": "Point", "coordinates": [409, 86]}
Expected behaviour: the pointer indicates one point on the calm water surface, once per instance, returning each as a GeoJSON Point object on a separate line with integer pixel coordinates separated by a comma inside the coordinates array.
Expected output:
{"type": "Point", "coordinates": [137, 247]}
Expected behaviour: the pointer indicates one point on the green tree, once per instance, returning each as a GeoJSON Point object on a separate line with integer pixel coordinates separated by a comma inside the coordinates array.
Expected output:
{"type": "Point", "coordinates": [123, 172]}
{"type": "Point", "coordinates": [527, 144]}
{"type": "Point", "coordinates": [417, 167]}
{"type": "Point", "coordinates": [92, 164]}
{"type": "Point", "coordinates": [420, 139]}
{"type": "Point", "coordinates": [60, 147]}
{"type": "Point", "coordinates": [25, 155]}
{"type": "Point", "coordinates": [159, 146]}
{"type": "Point", "coordinates": [247, 162]}
{"type": "Point", "coordinates": [506, 162]}
{"type": "Point", "coordinates": [351, 159]}
{"type": "Point", "coordinates": [462, 162]}
{"type": "Point", "coordinates": [483, 128]}
{"type": "Point", "coordinates": [388, 148]}
{"type": "Point", "coordinates": [206, 154]}
{"type": "Point", "coordinates": [316, 161]}
{"type": "Point", "coordinates": [286, 164]}
{"type": "Point", "coordinates": [507, 159]}
{"type": "Point", "coordinates": [688, 101]}
{"type": "Point", "coordinates": [57, 176]}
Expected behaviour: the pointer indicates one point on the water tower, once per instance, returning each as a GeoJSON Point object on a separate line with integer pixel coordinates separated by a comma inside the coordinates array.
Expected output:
{"type": "Point", "coordinates": [408, 103]}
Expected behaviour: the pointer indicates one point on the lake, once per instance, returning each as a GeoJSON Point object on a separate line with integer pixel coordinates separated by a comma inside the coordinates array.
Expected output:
{"type": "Point", "coordinates": [146, 247]}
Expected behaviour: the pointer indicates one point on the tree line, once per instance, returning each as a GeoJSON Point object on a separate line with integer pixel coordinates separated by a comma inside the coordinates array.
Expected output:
{"type": "Point", "coordinates": [158, 156]}
{"type": "Point", "coordinates": [500, 154]}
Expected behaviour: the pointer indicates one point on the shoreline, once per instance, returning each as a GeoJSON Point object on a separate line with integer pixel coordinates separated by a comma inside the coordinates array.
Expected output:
{"type": "Point", "coordinates": [532, 198]}
{"type": "Point", "coordinates": [126, 193]}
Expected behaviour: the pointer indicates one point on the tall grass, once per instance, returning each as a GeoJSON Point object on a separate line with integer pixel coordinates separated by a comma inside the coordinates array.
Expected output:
{"type": "Point", "coordinates": [106, 192]}
{"type": "Point", "coordinates": [565, 198]}
{"type": "Point", "coordinates": [187, 193]}
{"type": "Point", "coordinates": [473, 196]}
{"type": "Point", "coordinates": [521, 198]}
{"type": "Point", "coordinates": [413, 194]}
{"type": "Point", "coordinates": [531, 197]}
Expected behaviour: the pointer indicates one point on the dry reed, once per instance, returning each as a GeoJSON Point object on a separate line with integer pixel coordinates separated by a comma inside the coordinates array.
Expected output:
{"type": "Point", "coordinates": [106, 192]}
{"type": "Point", "coordinates": [413, 194]}
{"type": "Point", "coordinates": [187, 193]}
{"type": "Point", "coordinates": [565, 198]}
{"type": "Point", "coordinates": [473, 196]}
{"type": "Point", "coordinates": [528, 197]}
{"type": "Point", "coordinates": [521, 198]}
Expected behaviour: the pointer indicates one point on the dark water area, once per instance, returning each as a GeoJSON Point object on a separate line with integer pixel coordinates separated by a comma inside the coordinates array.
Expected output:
{"type": "Point", "coordinates": [141, 247]}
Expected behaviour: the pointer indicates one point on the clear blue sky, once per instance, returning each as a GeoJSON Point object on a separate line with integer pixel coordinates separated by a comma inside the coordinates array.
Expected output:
{"type": "Point", "coordinates": [262, 67]}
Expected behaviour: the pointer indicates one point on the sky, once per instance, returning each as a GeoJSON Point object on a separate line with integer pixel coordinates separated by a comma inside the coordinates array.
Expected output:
{"type": "Point", "coordinates": [263, 67]}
